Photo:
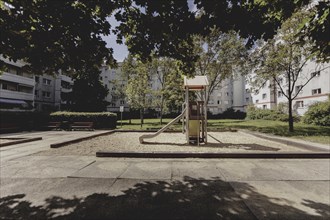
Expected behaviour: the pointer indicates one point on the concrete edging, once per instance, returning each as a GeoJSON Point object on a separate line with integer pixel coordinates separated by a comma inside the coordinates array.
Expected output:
{"type": "Point", "coordinates": [61, 144]}
{"type": "Point", "coordinates": [281, 140]}
{"type": "Point", "coordinates": [287, 155]}
{"type": "Point", "coordinates": [21, 141]}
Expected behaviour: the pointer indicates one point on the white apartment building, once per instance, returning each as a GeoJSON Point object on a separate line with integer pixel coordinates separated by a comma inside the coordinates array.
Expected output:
{"type": "Point", "coordinates": [230, 93]}
{"type": "Point", "coordinates": [20, 91]}
{"type": "Point", "coordinates": [317, 90]}
{"type": "Point", "coordinates": [16, 87]}
{"type": "Point", "coordinates": [51, 91]}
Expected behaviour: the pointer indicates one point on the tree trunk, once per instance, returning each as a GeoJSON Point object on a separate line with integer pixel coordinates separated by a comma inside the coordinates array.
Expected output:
{"type": "Point", "coordinates": [141, 117]}
{"type": "Point", "coordinates": [290, 116]}
{"type": "Point", "coordinates": [161, 110]}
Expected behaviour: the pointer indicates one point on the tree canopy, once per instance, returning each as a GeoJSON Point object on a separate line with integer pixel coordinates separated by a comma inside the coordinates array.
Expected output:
{"type": "Point", "coordinates": [52, 35]}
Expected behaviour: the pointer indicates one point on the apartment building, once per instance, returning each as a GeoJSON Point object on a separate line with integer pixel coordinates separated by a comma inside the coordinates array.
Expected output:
{"type": "Point", "coordinates": [51, 92]}
{"type": "Point", "coordinates": [230, 93]}
{"type": "Point", "coordinates": [20, 91]}
{"type": "Point", "coordinates": [316, 90]}
{"type": "Point", "coordinates": [16, 87]}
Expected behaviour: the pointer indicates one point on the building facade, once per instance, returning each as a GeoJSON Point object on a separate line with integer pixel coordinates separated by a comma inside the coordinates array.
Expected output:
{"type": "Point", "coordinates": [21, 91]}
{"type": "Point", "coordinates": [316, 90]}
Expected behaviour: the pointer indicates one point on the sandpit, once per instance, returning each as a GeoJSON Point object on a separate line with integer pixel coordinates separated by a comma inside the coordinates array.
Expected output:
{"type": "Point", "coordinates": [218, 142]}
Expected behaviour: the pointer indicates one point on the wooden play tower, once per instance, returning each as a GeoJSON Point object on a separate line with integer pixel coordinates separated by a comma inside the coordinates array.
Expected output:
{"type": "Point", "coordinates": [195, 117]}
{"type": "Point", "coordinates": [194, 112]}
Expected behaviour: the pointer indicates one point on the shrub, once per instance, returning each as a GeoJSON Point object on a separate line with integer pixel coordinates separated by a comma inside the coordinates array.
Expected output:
{"type": "Point", "coordinates": [254, 113]}
{"type": "Point", "coordinates": [24, 121]}
{"type": "Point", "coordinates": [318, 114]}
{"type": "Point", "coordinates": [230, 113]}
{"type": "Point", "coordinates": [100, 119]}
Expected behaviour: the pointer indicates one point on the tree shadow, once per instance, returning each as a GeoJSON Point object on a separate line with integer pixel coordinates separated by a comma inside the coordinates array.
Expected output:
{"type": "Point", "coordinates": [187, 199]}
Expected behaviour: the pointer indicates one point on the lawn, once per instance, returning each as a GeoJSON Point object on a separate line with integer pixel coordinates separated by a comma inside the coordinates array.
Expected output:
{"type": "Point", "coordinates": [302, 131]}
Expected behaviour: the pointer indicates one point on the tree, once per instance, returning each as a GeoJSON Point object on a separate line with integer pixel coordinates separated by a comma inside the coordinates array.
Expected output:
{"type": "Point", "coordinates": [282, 60]}
{"type": "Point", "coordinates": [251, 19]}
{"type": "Point", "coordinates": [138, 91]}
{"type": "Point", "coordinates": [54, 35]}
{"type": "Point", "coordinates": [219, 54]}
{"type": "Point", "coordinates": [317, 28]}
{"type": "Point", "coordinates": [88, 93]}
{"type": "Point", "coordinates": [171, 81]}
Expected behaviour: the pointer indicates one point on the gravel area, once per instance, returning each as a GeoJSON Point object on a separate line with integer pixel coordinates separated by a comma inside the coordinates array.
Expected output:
{"type": "Point", "coordinates": [218, 142]}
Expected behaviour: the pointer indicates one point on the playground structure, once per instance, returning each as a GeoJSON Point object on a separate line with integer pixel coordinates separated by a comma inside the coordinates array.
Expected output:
{"type": "Point", "coordinates": [194, 112]}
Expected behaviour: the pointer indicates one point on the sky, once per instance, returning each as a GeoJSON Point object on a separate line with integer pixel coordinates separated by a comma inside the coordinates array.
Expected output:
{"type": "Point", "coordinates": [121, 51]}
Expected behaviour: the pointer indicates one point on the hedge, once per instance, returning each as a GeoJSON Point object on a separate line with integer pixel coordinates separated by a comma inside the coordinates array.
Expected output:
{"type": "Point", "coordinates": [254, 113]}
{"type": "Point", "coordinates": [318, 114]}
{"type": "Point", "coordinates": [100, 119]}
{"type": "Point", "coordinates": [23, 121]}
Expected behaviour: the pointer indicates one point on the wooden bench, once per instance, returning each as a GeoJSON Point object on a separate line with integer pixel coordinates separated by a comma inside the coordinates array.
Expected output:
{"type": "Point", "coordinates": [82, 126]}
{"type": "Point", "coordinates": [54, 125]}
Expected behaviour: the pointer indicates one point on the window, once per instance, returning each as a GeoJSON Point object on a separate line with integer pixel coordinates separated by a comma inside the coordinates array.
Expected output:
{"type": "Point", "coordinates": [36, 93]}
{"type": "Point", "coordinates": [316, 91]}
{"type": "Point", "coordinates": [279, 94]}
{"type": "Point", "coordinates": [122, 102]}
{"type": "Point", "coordinates": [219, 102]}
{"type": "Point", "coordinates": [264, 107]}
{"type": "Point", "coordinates": [257, 101]}
{"type": "Point", "coordinates": [113, 104]}
{"type": "Point", "coordinates": [106, 86]}
{"type": "Point", "coordinates": [315, 74]}
{"type": "Point", "coordinates": [37, 79]}
{"type": "Point", "coordinates": [227, 94]}
{"type": "Point", "coordinates": [264, 96]}
{"type": "Point", "coordinates": [45, 94]}
{"type": "Point", "coordinates": [247, 99]}
{"type": "Point", "coordinates": [300, 104]}
{"type": "Point", "coordinates": [297, 88]}
{"type": "Point", "coordinates": [46, 81]}
{"type": "Point", "coordinates": [113, 88]}
{"type": "Point", "coordinates": [4, 86]}
{"type": "Point", "coordinates": [247, 90]}
{"type": "Point", "coordinates": [101, 78]}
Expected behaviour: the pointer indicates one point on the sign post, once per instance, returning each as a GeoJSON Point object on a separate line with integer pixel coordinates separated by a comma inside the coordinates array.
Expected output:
{"type": "Point", "coordinates": [121, 109]}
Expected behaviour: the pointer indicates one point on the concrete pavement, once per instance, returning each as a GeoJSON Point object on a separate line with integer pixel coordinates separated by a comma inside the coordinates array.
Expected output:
{"type": "Point", "coordinates": [86, 187]}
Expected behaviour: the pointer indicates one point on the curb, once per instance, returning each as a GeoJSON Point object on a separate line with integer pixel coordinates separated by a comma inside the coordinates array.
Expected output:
{"type": "Point", "coordinates": [61, 144]}
{"type": "Point", "coordinates": [303, 146]}
{"type": "Point", "coordinates": [215, 155]}
{"type": "Point", "coordinates": [23, 140]}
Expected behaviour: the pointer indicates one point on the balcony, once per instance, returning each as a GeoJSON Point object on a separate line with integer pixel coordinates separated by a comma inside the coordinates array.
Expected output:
{"type": "Point", "coordinates": [16, 95]}
{"type": "Point", "coordinates": [17, 79]}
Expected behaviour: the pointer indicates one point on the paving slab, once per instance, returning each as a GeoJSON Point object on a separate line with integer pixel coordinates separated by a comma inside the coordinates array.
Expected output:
{"type": "Point", "coordinates": [204, 170]}
{"type": "Point", "coordinates": [44, 167]}
{"type": "Point", "coordinates": [148, 170]}
{"type": "Point", "coordinates": [286, 199]}
{"type": "Point", "coordinates": [102, 169]}
{"type": "Point", "coordinates": [262, 170]}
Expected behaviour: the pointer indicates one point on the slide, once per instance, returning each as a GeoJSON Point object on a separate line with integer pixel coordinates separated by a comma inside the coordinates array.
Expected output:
{"type": "Point", "coordinates": [145, 136]}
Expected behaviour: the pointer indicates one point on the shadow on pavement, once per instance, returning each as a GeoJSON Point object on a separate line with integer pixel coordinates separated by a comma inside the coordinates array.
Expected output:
{"type": "Point", "coordinates": [187, 199]}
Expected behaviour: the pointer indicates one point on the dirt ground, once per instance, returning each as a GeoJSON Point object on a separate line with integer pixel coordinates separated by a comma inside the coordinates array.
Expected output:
{"type": "Point", "coordinates": [218, 142]}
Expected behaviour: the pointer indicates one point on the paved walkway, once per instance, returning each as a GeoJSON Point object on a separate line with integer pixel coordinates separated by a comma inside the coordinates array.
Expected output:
{"type": "Point", "coordinates": [86, 187]}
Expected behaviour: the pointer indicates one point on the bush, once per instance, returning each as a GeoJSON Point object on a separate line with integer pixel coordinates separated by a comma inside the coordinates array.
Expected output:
{"type": "Point", "coordinates": [100, 119]}
{"type": "Point", "coordinates": [318, 114]}
{"type": "Point", "coordinates": [230, 113]}
{"type": "Point", "coordinates": [254, 113]}
{"type": "Point", "coordinates": [23, 121]}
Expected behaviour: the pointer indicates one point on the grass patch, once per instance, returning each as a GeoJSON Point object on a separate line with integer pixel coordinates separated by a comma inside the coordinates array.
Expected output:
{"type": "Point", "coordinates": [313, 133]}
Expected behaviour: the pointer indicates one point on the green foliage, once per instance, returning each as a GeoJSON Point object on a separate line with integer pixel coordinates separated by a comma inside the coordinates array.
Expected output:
{"type": "Point", "coordinates": [318, 114]}
{"type": "Point", "coordinates": [100, 119]}
{"type": "Point", "coordinates": [54, 35]}
{"type": "Point", "coordinates": [88, 92]}
{"type": "Point", "coordinates": [219, 54]}
{"type": "Point", "coordinates": [24, 120]}
{"type": "Point", "coordinates": [254, 113]}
